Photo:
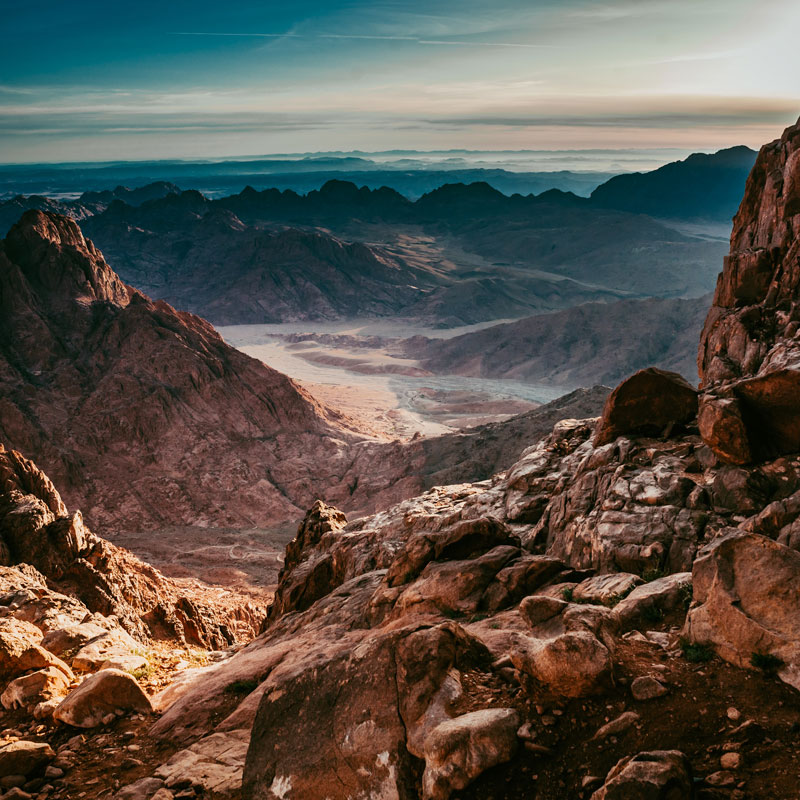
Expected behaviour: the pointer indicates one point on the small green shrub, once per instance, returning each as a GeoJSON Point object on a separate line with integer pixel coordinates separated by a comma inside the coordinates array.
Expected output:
{"type": "Point", "coordinates": [567, 593]}
{"type": "Point", "coordinates": [686, 594]}
{"type": "Point", "coordinates": [766, 662]}
{"type": "Point", "coordinates": [142, 673]}
{"type": "Point", "coordinates": [696, 653]}
{"type": "Point", "coordinates": [653, 574]}
{"type": "Point", "coordinates": [242, 686]}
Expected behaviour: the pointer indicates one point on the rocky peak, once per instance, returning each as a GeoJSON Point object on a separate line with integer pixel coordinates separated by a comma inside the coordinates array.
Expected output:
{"type": "Point", "coordinates": [749, 357]}
{"type": "Point", "coordinates": [57, 263]}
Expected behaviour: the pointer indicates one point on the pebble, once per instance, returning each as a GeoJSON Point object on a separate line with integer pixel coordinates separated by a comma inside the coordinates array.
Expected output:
{"type": "Point", "coordinates": [731, 760]}
{"type": "Point", "coordinates": [647, 688]}
{"type": "Point", "coordinates": [734, 715]}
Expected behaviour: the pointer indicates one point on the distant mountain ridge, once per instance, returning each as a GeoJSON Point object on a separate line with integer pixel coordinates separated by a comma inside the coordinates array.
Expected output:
{"type": "Point", "coordinates": [703, 186]}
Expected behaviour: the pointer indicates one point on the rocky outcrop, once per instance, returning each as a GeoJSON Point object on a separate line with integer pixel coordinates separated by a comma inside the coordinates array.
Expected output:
{"type": "Point", "coordinates": [649, 402]}
{"type": "Point", "coordinates": [90, 574]}
{"type": "Point", "coordinates": [749, 356]}
{"type": "Point", "coordinates": [656, 775]}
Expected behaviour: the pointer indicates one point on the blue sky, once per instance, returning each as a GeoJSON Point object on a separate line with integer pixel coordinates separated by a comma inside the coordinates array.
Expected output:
{"type": "Point", "coordinates": [92, 81]}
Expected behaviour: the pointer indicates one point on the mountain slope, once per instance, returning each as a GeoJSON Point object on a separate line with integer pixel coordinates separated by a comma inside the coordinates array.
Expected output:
{"type": "Point", "coordinates": [139, 411]}
{"type": "Point", "coordinates": [592, 343]}
{"type": "Point", "coordinates": [703, 186]}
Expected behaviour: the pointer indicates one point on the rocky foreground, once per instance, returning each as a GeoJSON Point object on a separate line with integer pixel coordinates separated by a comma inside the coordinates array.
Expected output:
{"type": "Point", "coordinates": [615, 616]}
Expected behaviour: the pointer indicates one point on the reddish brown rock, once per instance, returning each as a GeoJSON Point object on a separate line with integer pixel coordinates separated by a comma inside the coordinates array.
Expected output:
{"type": "Point", "coordinates": [723, 429]}
{"type": "Point", "coordinates": [649, 402]}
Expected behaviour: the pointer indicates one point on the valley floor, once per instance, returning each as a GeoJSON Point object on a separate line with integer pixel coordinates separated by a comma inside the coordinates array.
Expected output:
{"type": "Point", "coordinates": [357, 366]}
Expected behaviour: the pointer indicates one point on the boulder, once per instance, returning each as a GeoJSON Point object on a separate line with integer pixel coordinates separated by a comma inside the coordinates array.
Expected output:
{"type": "Point", "coordinates": [24, 758]}
{"type": "Point", "coordinates": [109, 692]}
{"type": "Point", "coordinates": [460, 749]}
{"type": "Point", "coordinates": [747, 601]}
{"type": "Point", "coordinates": [723, 429]}
{"type": "Point", "coordinates": [34, 688]}
{"type": "Point", "coordinates": [72, 637]}
{"type": "Point", "coordinates": [647, 403]}
{"type": "Point", "coordinates": [574, 664]}
{"type": "Point", "coordinates": [654, 775]}
{"type": "Point", "coordinates": [645, 687]}
{"type": "Point", "coordinates": [212, 766]}
{"type": "Point", "coordinates": [659, 596]}
{"type": "Point", "coordinates": [108, 646]}
{"type": "Point", "coordinates": [20, 651]}
{"type": "Point", "coordinates": [606, 589]}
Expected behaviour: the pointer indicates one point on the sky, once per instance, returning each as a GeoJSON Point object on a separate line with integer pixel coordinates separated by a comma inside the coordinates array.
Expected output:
{"type": "Point", "coordinates": [89, 80]}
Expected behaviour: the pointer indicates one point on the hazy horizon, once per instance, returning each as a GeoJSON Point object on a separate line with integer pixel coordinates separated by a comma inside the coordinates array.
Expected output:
{"type": "Point", "coordinates": [91, 83]}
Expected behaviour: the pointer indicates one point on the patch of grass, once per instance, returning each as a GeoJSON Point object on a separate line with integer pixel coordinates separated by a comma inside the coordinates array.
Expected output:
{"type": "Point", "coordinates": [242, 686]}
{"type": "Point", "coordinates": [567, 594]}
{"type": "Point", "coordinates": [481, 615]}
{"type": "Point", "coordinates": [766, 662]}
{"type": "Point", "coordinates": [653, 613]}
{"type": "Point", "coordinates": [696, 653]}
{"type": "Point", "coordinates": [143, 673]}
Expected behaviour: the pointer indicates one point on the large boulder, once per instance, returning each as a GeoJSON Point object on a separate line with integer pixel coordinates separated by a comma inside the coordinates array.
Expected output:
{"type": "Point", "coordinates": [101, 696]}
{"type": "Point", "coordinates": [36, 687]}
{"type": "Point", "coordinates": [24, 758]}
{"type": "Point", "coordinates": [460, 749]}
{"type": "Point", "coordinates": [20, 651]}
{"type": "Point", "coordinates": [574, 664]}
{"type": "Point", "coordinates": [649, 402]}
{"type": "Point", "coordinates": [747, 601]}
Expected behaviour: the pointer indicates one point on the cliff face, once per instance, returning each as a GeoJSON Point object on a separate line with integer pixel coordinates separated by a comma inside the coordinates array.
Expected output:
{"type": "Point", "coordinates": [138, 411]}
{"type": "Point", "coordinates": [749, 357]}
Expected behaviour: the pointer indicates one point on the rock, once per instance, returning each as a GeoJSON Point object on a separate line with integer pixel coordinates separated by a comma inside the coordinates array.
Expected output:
{"type": "Point", "coordinates": [460, 749]}
{"type": "Point", "coordinates": [606, 589]}
{"type": "Point", "coordinates": [127, 663]}
{"type": "Point", "coordinates": [648, 402]}
{"type": "Point", "coordinates": [747, 600]}
{"type": "Point", "coordinates": [537, 609]}
{"type": "Point", "coordinates": [24, 758]}
{"type": "Point", "coordinates": [211, 766]}
{"type": "Point", "coordinates": [624, 721]}
{"type": "Point", "coordinates": [73, 637]}
{"type": "Point", "coordinates": [34, 688]}
{"type": "Point", "coordinates": [574, 664]}
{"type": "Point", "coordinates": [105, 693]}
{"type": "Point", "coordinates": [646, 687]}
{"type": "Point", "coordinates": [143, 789]}
{"type": "Point", "coordinates": [733, 714]}
{"type": "Point", "coordinates": [656, 597]}
{"type": "Point", "coordinates": [108, 646]}
{"type": "Point", "coordinates": [731, 761]}
{"type": "Point", "coordinates": [723, 429]}
{"type": "Point", "coordinates": [20, 652]}
{"type": "Point", "coordinates": [654, 775]}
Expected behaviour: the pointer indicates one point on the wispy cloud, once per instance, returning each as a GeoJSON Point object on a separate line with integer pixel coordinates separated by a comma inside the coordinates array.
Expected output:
{"type": "Point", "coordinates": [412, 39]}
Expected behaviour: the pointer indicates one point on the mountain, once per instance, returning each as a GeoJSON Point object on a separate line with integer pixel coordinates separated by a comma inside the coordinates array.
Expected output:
{"type": "Point", "coordinates": [565, 618]}
{"type": "Point", "coordinates": [139, 411]}
{"type": "Point", "coordinates": [701, 187]}
{"type": "Point", "coordinates": [132, 197]}
{"type": "Point", "coordinates": [458, 255]}
{"type": "Point", "coordinates": [591, 343]}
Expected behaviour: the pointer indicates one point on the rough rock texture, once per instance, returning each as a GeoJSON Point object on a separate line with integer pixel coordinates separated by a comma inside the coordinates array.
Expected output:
{"type": "Point", "coordinates": [136, 410]}
{"type": "Point", "coordinates": [108, 692]}
{"type": "Point", "coordinates": [37, 530]}
{"type": "Point", "coordinates": [460, 749]}
{"type": "Point", "coordinates": [749, 353]}
{"type": "Point", "coordinates": [655, 775]}
{"type": "Point", "coordinates": [649, 401]}
{"type": "Point", "coordinates": [747, 601]}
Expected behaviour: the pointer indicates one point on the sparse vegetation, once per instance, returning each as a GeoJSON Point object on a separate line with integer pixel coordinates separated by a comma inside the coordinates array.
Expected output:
{"type": "Point", "coordinates": [766, 662]}
{"type": "Point", "coordinates": [686, 594]}
{"type": "Point", "coordinates": [242, 686]}
{"type": "Point", "coordinates": [567, 594]}
{"type": "Point", "coordinates": [653, 574]}
{"type": "Point", "coordinates": [696, 653]}
{"type": "Point", "coordinates": [143, 673]}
